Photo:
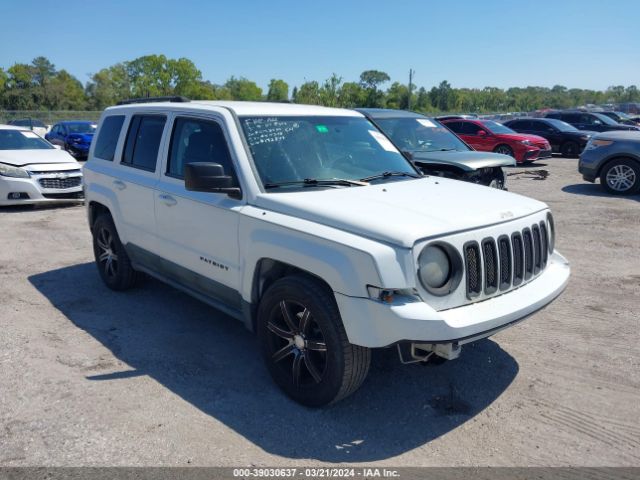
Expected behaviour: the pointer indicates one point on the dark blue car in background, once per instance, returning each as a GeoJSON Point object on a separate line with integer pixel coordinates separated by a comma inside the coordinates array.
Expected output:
{"type": "Point", "coordinates": [73, 136]}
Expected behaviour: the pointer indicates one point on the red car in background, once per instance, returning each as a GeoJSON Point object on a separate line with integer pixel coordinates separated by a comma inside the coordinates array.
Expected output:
{"type": "Point", "coordinates": [490, 136]}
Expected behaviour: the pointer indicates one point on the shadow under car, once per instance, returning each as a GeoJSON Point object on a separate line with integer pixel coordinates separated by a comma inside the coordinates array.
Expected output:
{"type": "Point", "coordinates": [211, 361]}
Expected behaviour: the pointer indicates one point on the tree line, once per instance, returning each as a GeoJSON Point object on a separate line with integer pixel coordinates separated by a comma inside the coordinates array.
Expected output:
{"type": "Point", "coordinates": [39, 85]}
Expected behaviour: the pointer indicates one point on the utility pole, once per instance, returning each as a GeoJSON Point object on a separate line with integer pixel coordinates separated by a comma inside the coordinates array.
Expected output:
{"type": "Point", "coordinates": [411, 72]}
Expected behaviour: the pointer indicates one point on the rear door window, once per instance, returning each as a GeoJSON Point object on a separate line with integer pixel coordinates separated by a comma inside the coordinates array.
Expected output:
{"type": "Point", "coordinates": [108, 137]}
{"type": "Point", "coordinates": [143, 141]}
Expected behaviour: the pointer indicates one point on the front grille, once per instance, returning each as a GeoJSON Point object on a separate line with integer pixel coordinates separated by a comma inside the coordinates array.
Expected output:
{"type": "Point", "coordinates": [537, 251]}
{"type": "Point", "coordinates": [473, 268]}
{"type": "Point", "coordinates": [504, 251]}
{"type": "Point", "coordinates": [72, 195]}
{"type": "Point", "coordinates": [509, 262]}
{"type": "Point", "coordinates": [545, 242]}
{"type": "Point", "coordinates": [528, 253]}
{"type": "Point", "coordinates": [490, 266]}
{"type": "Point", "coordinates": [518, 259]}
{"type": "Point", "coordinates": [60, 183]}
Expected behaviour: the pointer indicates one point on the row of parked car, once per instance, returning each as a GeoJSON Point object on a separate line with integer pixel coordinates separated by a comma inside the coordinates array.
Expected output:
{"type": "Point", "coordinates": [461, 147]}
{"type": "Point", "coordinates": [73, 136]}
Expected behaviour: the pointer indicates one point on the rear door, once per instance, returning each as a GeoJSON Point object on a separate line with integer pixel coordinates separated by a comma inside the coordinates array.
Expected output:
{"type": "Point", "coordinates": [198, 231]}
{"type": "Point", "coordinates": [136, 182]}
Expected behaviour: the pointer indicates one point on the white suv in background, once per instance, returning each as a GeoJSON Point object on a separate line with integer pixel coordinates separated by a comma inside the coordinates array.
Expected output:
{"type": "Point", "coordinates": [307, 224]}
{"type": "Point", "coordinates": [34, 171]}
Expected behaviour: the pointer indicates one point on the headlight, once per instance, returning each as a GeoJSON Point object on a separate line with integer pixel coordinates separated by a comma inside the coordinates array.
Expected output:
{"type": "Point", "coordinates": [552, 232]}
{"type": "Point", "coordinates": [597, 143]}
{"type": "Point", "coordinates": [11, 171]}
{"type": "Point", "coordinates": [526, 142]}
{"type": "Point", "coordinates": [585, 137]}
{"type": "Point", "coordinates": [439, 268]}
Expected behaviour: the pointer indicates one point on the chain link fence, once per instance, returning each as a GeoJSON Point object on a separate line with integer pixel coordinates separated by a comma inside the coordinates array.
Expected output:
{"type": "Point", "coordinates": [49, 117]}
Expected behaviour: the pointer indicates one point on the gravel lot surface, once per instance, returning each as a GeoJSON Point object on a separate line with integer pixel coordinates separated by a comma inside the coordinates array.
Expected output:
{"type": "Point", "coordinates": [153, 377]}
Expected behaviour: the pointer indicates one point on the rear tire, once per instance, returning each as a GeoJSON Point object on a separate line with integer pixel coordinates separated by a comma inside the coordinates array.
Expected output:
{"type": "Point", "coordinates": [111, 258]}
{"type": "Point", "coordinates": [304, 344]}
{"type": "Point", "coordinates": [621, 176]}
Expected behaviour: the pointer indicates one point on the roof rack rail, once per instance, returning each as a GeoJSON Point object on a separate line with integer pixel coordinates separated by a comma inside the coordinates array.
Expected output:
{"type": "Point", "coordinates": [171, 98]}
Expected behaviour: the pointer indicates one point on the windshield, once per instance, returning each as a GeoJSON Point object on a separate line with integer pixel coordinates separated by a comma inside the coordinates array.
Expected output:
{"type": "Point", "coordinates": [22, 140]}
{"type": "Point", "coordinates": [81, 127]}
{"type": "Point", "coordinates": [496, 128]}
{"type": "Point", "coordinates": [420, 135]}
{"type": "Point", "coordinates": [562, 126]}
{"type": "Point", "coordinates": [606, 120]}
{"type": "Point", "coordinates": [27, 122]}
{"type": "Point", "coordinates": [294, 149]}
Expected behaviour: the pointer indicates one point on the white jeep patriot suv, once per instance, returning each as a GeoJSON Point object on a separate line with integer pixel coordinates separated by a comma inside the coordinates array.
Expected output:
{"type": "Point", "coordinates": [308, 225]}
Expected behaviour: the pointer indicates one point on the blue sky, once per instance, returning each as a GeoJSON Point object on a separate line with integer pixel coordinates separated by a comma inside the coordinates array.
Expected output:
{"type": "Point", "coordinates": [470, 43]}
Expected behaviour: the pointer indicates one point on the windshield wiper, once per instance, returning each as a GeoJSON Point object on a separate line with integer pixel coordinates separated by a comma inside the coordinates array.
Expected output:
{"type": "Point", "coordinates": [390, 174]}
{"type": "Point", "coordinates": [314, 182]}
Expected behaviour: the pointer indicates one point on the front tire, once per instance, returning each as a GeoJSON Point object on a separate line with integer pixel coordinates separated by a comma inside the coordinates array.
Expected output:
{"type": "Point", "coordinates": [505, 150]}
{"type": "Point", "coordinates": [621, 176]}
{"type": "Point", "coordinates": [304, 344]}
{"type": "Point", "coordinates": [111, 258]}
{"type": "Point", "coordinates": [569, 149]}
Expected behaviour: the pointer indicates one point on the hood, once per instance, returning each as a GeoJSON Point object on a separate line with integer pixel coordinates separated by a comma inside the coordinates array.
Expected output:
{"type": "Point", "coordinates": [403, 212]}
{"type": "Point", "coordinates": [620, 126]}
{"type": "Point", "coordinates": [521, 136]}
{"type": "Point", "coordinates": [82, 137]}
{"type": "Point", "coordinates": [467, 161]}
{"type": "Point", "coordinates": [580, 133]}
{"type": "Point", "coordinates": [20, 158]}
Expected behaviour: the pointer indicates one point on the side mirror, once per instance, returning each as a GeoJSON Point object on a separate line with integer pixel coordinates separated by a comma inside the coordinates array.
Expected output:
{"type": "Point", "coordinates": [209, 177]}
{"type": "Point", "coordinates": [56, 146]}
{"type": "Point", "coordinates": [481, 133]}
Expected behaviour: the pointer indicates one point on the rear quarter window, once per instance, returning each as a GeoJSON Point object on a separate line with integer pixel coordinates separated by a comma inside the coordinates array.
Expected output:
{"type": "Point", "coordinates": [105, 148]}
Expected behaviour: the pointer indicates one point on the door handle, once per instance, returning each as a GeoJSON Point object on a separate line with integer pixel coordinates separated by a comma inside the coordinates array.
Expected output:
{"type": "Point", "coordinates": [168, 200]}
{"type": "Point", "coordinates": [119, 184]}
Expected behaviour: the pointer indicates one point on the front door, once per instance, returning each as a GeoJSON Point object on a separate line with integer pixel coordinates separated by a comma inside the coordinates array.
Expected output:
{"type": "Point", "coordinates": [198, 231]}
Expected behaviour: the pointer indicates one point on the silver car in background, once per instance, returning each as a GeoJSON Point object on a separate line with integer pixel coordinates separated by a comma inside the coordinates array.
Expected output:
{"type": "Point", "coordinates": [614, 157]}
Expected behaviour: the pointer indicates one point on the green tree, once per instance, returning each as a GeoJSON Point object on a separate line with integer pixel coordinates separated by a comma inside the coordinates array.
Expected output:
{"type": "Point", "coordinates": [278, 91]}
{"type": "Point", "coordinates": [329, 92]}
{"type": "Point", "coordinates": [397, 96]}
{"type": "Point", "coordinates": [443, 97]}
{"type": "Point", "coordinates": [108, 87]}
{"type": "Point", "coordinates": [149, 76]}
{"type": "Point", "coordinates": [243, 89]}
{"type": "Point", "coordinates": [3, 83]}
{"type": "Point", "coordinates": [65, 92]}
{"type": "Point", "coordinates": [186, 79]}
{"type": "Point", "coordinates": [351, 95]}
{"type": "Point", "coordinates": [309, 94]}
{"type": "Point", "coordinates": [370, 80]}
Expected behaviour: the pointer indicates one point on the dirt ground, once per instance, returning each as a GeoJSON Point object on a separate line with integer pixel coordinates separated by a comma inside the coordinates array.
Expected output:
{"type": "Point", "coordinates": [153, 377]}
